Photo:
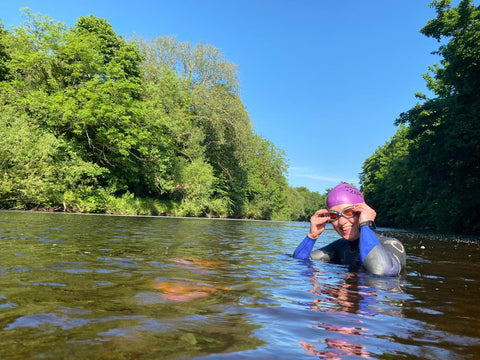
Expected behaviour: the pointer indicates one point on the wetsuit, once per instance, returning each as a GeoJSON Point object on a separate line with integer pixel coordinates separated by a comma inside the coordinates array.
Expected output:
{"type": "Point", "coordinates": [377, 255]}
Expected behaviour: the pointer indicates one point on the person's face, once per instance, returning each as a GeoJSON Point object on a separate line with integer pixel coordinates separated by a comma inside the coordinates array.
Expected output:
{"type": "Point", "coordinates": [346, 227]}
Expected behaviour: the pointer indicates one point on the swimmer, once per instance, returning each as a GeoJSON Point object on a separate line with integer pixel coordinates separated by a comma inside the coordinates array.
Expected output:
{"type": "Point", "coordinates": [359, 246]}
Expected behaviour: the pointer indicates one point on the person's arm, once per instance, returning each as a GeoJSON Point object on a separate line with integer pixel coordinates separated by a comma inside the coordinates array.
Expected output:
{"type": "Point", "coordinates": [317, 226]}
{"type": "Point", "coordinates": [375, 258]}
{"type": "Point", "coordinates": [304, 249]}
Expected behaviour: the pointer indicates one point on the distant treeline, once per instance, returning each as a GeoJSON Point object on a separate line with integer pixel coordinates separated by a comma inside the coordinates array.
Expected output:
{"type": "Point", "coordinates": [92, 122]}
{"type": "Point", "coordinates": [427, 176]}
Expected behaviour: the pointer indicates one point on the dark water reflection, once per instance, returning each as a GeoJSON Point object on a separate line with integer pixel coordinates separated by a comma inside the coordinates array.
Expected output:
{"type": "Point", "coordinates": [109, 287]}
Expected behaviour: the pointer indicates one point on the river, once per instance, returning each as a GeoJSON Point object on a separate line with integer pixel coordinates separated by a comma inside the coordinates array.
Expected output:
{"type": "Point", "coordinates": [127, 287]}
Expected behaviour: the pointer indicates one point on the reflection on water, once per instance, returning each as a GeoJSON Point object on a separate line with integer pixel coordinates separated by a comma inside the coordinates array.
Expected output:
{"type": "Point", "coordinates": [359, 294]}
{"type": "Point", "coordinates": [111, 287]}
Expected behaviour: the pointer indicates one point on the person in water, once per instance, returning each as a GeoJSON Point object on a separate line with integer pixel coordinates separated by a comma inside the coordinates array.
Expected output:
{"type": "Point", "coordinates": [359, 246]}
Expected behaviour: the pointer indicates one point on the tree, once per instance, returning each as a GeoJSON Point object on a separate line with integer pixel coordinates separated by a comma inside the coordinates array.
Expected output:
{"type": "Point", "coordinates": [386, 182]}
{"type": "Point", "coordinates": [4, 57]}
{"type": "Point", "coordinates": [312, 201]}
{"type": "Point", "coordinates": [85, 83]}
{"type": "Point", "coordinates": [40, 170]}
{"type": "Point", "coordinates": [216, 129]}
{"type": "Point", "coordinates": [267, 189]}
{"type": "Point", "coordinates": [99, 104]}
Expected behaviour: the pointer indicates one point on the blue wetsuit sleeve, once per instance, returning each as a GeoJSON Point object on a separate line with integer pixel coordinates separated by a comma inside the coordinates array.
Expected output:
{"type": "Point", "coordinates": [368, 241]}
{"type": "Point", "coordinates": [374, 257]}
{"type": "Point", "coordinates": [304, 249]}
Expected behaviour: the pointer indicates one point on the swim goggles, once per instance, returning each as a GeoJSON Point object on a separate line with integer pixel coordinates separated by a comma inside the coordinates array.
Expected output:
{"type": "Point", "coordinates": [347, 213]}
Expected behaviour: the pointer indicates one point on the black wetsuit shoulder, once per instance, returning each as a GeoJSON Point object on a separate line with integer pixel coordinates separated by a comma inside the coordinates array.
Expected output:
{"type": "Point", "coordinates": [344, 252]}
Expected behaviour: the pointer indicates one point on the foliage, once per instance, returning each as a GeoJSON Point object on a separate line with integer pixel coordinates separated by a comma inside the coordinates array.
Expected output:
{"type": "Point", "coordinates": [43, 171]}
{"type": "Point", "coordinates": [4, 57]}
{"type": "Point", "coordinates": [312, 202]}
{"type": "Point", "coordinates": [92, 122]}
{"type": "Point", "coordinates": [386, 182]}
{"type": "Point", "coordinates": [434, 173]}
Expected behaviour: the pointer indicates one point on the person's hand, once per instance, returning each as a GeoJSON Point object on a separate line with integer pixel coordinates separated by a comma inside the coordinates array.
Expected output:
{"type": "Point", "coordinates": [317, 223]}
{"type": "Point", "coordinates": [365, 212]}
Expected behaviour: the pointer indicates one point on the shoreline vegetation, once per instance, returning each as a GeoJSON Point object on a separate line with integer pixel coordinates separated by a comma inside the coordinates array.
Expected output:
{"type": "Point", "coordinates": [95, 123]}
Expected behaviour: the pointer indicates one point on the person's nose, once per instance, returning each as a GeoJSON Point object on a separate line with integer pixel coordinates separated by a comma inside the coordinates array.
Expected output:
{"type": "Point", "coordinates": [342, 220]}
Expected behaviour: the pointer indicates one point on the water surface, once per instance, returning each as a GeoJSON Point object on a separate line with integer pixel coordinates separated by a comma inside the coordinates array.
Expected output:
{"type": "Point", "coordinates": [113, 287]}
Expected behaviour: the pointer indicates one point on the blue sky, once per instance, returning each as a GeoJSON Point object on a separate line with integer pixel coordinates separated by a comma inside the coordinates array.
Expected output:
{"type": "Point", "coordinates": [322, 80]}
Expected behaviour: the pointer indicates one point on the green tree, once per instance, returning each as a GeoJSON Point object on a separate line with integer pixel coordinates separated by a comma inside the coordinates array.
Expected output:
{"type": "Point", "coordinates": [201, 65]}
{"type": "Point", "coordinates": [387, 184]}
{"type": "Point", "coordinates": [4, 57]}
{"type": "Point", "coordinates": [267, 189]}
{"type": "Point", "coordinates": [85, 83]}
{"type": "Point", "coordinates": [40, 170]}
{"type": "Point", "coordinates": [216, 128]}
{"type": "Point", "coordinates": [99, 104]}
{"type": "Point", "coordinates": [312, 202]}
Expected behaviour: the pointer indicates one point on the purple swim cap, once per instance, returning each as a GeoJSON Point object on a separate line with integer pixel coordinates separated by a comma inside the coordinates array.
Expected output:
{"type": "Point", "coordinates": [344, 194]}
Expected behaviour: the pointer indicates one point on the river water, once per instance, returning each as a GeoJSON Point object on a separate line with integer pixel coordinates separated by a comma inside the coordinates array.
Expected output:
{"type": "Point", "coordinates": [112, 287]}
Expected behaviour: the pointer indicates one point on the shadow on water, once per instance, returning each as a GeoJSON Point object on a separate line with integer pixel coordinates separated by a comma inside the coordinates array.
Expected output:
{"type": "Point", "coordinates": [112, 287]}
